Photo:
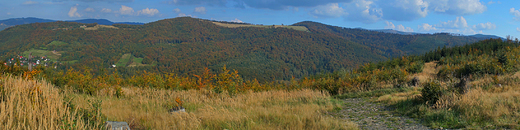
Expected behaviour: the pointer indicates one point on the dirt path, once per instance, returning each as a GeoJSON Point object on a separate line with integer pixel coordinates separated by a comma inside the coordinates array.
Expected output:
{"type": "Point", "coordinates": [375, 117]}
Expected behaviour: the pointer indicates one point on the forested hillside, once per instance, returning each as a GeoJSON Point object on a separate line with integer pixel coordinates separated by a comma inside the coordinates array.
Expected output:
{"type": "Point", "coordinates": [186, 45]}
{"type": "Point", "coordinates": [390, 44]}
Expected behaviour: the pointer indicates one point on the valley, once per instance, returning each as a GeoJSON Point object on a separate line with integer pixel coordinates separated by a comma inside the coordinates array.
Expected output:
{"type": "Point", "coordinates": [234, 76]}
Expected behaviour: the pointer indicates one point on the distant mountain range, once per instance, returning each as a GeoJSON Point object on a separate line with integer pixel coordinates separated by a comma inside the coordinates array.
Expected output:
{"type": "Point", "coordinates": [188, 45]}
{"type": "Point", "coordinates": [478, 36]}
{"type": "Point", "coordinates": [19, 21]}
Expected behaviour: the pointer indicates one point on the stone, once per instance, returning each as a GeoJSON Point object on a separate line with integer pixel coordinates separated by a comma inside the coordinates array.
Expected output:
{"type": "Point", "coordinates": [177, 109]}
{"type": "Point", "coordinates": [114, 125]}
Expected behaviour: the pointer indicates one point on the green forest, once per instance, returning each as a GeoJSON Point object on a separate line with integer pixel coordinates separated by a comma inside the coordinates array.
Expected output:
{"type": "Point", "coordinates": [186, 45]}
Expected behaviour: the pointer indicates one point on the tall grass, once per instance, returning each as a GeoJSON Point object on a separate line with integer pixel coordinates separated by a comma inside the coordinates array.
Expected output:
{"type": "Point", "coordinates": [30, 104]}
{"type": "Point", "coordinates": [486, 105]}
{"type": "Point", "coordinates": [148, 109]}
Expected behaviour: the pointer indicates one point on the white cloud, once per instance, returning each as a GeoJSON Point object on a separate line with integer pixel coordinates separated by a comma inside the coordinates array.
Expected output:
{"type": "Point", "coordinates": [404, 10]}
{"type": "Point", "coordinates": [460, 22]}
{"type": "Point", "coordinates": [184, 15]}
{"type": "Point", "coordinates": [90, 10]}
{"type": "Point", "coordinates": [493, 2]}
{"type": "Point", "coordinates": [389, 25]}
{"type": "Point", "coordinates": [457, 7]}
{"type": "Point", "coordinates": [149, 12]}
{"type": "Point", "coordinates": [371, 11]}
{"type": "Point", "coordinates": [515, 13]}
{"type": "Point", "coordinates": [125, 10]}
{"type": "Point", "coordinates": [485, 26]}
{"type": "Point", "coordinates": [105, 10]}
{"type": "Point", "coordinates": [459, 25]}
{"type": "Point", "coordinates": [201, 10]}
{"type": "Point", "coordinates": [54, 3]}
{"type": "Point", "coordinates": [73, 12]}
{"type": "Point", "coordinates": [518, 29]}
{"type": "Point", "coordinates": [363, 11]}
{"type": "Point", "coordinates": [331, 10]}
{"type": "Point", "coordinates": [177, 10]}
{"type": "Point", "coordinates": [237, 20]}
{"type": "Point", "coordinates": [8, 13]}
{"type": "Point", "coordinates": [470, 31]}
{"type": "Point", "coordinates": [400, 27]}
{"type": "Point", "coordinates": [426, 27]}
{"type": "Point", "coordinates": [30, 2]}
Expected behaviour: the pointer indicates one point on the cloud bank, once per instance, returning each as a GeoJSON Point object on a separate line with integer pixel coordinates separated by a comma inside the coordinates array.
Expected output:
{"type": "Point", "coordinates": [366, 11]}
{"type": "Point", "coordinates": [400, 27]}
{"type": "Point", "coordinates": [459, 25]}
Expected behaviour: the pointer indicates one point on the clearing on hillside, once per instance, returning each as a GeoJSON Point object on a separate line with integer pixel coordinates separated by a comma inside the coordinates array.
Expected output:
{"type": "Point", "coordinates": [100, 26]}
{"type": "Point", "coordinates": [124, 59]}
{"type": "Point", "coordinates": [50, 54]}
{"type": "Point", "coordinates": [228, 25]}
{"type": "Point", "coordinates": [131, 61]}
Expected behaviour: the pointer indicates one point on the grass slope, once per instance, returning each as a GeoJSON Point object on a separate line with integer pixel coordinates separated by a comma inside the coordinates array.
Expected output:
{"type": "Point", "coordinates": [131, 61]}
{"type": "Point", "coordinates": [50, 54]}
{"type": "Point", "coordinates": [124, 60]}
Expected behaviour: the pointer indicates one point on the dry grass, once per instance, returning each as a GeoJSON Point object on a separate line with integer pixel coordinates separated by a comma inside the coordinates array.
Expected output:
{"type": "Point", "coordinates": [148, 109]}
{"type": "Point", "coordinates": [499, 109]}
{"type": "Point", "coordinates": [29, 104]}
{"type": "Point", "coordinates": [429, 72]}
{"type": "Point", "coordinates": [486, 105]}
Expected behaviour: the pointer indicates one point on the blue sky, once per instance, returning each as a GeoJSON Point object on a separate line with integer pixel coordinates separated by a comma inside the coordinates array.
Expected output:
{"type": "Point", "coordinates": [425, 16]}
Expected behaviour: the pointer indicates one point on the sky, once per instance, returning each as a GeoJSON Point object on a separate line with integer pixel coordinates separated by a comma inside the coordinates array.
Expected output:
{"type": "Point", "coordinates": [495, 17]}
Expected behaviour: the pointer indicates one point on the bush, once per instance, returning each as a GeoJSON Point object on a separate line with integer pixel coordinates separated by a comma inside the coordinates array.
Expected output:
{"type": "Point", "coordinates": [416, 67]}
{"type": "Point", "coordinates": [432, 91]}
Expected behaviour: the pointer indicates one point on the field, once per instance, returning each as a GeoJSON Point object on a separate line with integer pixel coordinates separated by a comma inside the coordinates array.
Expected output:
{"type": "Point", "coordinates": [50, 54]}
{"type": "Point", "coordinates": [134, 61]}
{"type": "Point", "coordinates": [40, 105]}
{"type": "Point", "coordinates": [124, 60]}
{"type": "Point", "coordinates": [299, 28]}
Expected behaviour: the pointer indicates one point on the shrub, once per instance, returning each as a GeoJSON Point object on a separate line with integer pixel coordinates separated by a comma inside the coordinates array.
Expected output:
{"type": "Point", "coordinates": [416, 67]}
{"type": "Point", "coordinates": [432, 91]}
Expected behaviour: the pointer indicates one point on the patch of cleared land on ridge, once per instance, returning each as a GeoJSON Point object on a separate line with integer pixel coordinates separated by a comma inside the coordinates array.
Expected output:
{"type": "Point", "coordinates": [228, 25]}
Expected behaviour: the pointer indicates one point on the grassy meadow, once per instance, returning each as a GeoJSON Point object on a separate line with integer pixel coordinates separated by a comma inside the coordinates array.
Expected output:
{"type": "Point", "coordinates": [130, 61]}
{"type": "Point", "coordinates": [50, 54]}
{"type": "Point", "coordinates": [33, 104]}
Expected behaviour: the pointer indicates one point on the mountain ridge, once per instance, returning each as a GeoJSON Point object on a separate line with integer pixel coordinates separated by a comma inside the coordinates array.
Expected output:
{"type": "Point", "coordinates": [187, 45]}
{"type": "Point", "coordinates": [28, 20]}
